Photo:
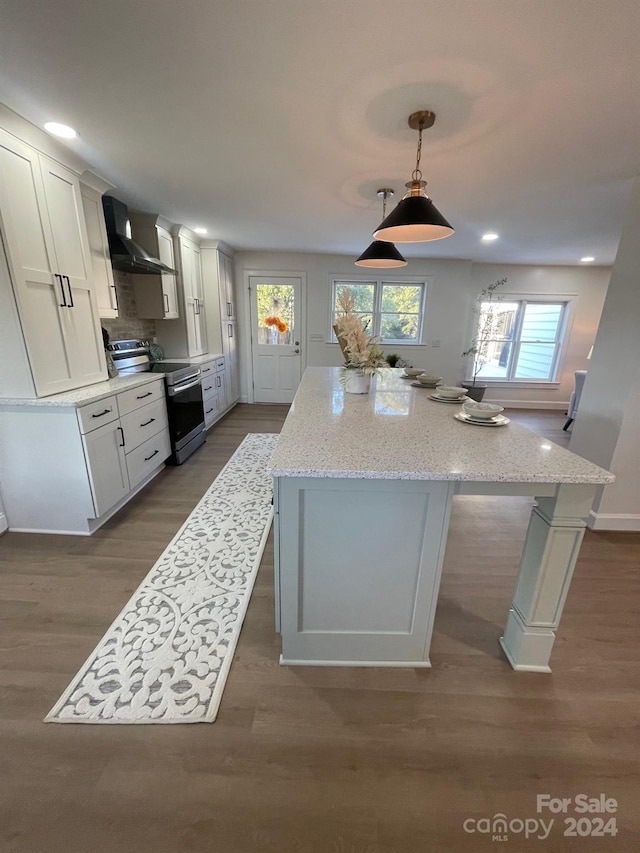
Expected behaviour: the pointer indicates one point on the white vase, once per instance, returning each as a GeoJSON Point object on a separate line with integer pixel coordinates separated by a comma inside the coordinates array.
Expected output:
{"type": "Point", "coordinates": [357, 382]}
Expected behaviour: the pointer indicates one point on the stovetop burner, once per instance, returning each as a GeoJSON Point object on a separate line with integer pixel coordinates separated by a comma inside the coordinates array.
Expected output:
{"type": "Point", "coordinates": [132, 356]}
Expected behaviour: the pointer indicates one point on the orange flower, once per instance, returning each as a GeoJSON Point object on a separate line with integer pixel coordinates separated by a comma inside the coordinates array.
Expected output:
{"type": "Point", "coordinates": [282, 327]}
{"type": "Point", "coordinates": [271, 321]}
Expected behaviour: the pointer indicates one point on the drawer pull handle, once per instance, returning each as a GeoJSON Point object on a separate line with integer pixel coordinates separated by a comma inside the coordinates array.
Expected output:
{"type": "Point", "coordinates": [228, 309]}
{"type": "Point", "coordinates": [208, 388]}
{"type": "Point", "coordinates": [219, 381]}
{"type": "Point", "coordinates": [100, 414]}
{"type": "Point", "coordinates": [146, 423]}
{"type": "Point", "coordinates": [147, 458]}
{"type": "Point", "coordinates": [142, 396]}
{"type": "Point", "coordinates": [208, 412]}
{"type": "Point", "coordinates": [122, 435]}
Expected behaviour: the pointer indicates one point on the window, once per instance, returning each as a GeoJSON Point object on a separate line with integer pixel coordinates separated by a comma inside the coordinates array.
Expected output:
{"type": "Point", "coordinates": [521, 340]}
{"type": "Point", "coordinates": [391, 310]}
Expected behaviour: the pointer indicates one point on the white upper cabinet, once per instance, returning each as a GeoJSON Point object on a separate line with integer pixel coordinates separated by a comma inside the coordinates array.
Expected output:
{"type": "Point", "coordinates": [188, 337]}
{"type": "Point", "coordinates": [103, 284]}
{"type": "Point", "coordinates": [169, 288]}
{"type": "Point", "coordinates": [227, 296]}
{"type": "Point", "coordinates": [48, 253]}
{"type": "Point", "coordinates": [156, 295]}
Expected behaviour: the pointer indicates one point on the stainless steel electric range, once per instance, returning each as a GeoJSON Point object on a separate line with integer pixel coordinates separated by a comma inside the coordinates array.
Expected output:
{"type": "Point", "coordinates": [183, 385]}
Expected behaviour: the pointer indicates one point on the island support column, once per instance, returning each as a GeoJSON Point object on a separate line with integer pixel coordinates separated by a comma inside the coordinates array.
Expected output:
{"type": "Point", "coordinates": [556, 529]}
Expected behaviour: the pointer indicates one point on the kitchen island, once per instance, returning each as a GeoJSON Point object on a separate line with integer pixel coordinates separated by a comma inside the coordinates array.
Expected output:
{"type": "Point", "coordinates": [363, 487]}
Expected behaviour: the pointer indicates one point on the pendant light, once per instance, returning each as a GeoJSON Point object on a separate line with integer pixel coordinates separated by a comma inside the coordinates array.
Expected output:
{"type": "Point", "coordinates": [381, 254]}
{"type": "Point", "coordinates": [415, 219]}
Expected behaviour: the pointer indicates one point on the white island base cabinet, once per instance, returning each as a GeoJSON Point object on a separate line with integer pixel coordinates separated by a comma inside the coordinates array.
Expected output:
{"type": "Point", "coordinates": [362, 501]}
{"type": "Point", "coordinates": [366, 594]}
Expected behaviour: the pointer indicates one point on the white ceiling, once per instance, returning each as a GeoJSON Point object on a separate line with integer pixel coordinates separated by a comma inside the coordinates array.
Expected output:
{"type": "Point", "coordinates": [272, 122]}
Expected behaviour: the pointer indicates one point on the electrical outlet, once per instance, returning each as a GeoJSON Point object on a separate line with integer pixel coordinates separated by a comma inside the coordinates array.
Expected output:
{"type": "Point", "coordinates": [435, 342]}
{"type": "Point", "coordinates": [316, 337]}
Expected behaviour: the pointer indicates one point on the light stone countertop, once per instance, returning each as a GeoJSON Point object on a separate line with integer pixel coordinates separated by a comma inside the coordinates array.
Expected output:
{"type": "Point", "coordinates": [196, 359]}
{"type": "Point", "coordinates": [88, 394]}
{"type": "Point", "coordinates": [397, 432]}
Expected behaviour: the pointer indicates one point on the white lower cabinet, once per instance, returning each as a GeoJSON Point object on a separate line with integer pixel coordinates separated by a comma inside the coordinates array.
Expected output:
{"type": "Point", "coordinates": [143, 460]}
{"type": "Point", "coordinates": [145, 433]}
{"type": "Point", "coordinates": [67, 469]}
{"type": "Point", "coordinates": [106, 466]}
{"type": "Point", "coordinates": [214, 390]}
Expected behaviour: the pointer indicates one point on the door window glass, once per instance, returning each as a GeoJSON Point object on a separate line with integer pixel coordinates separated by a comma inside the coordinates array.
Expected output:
{"type": "Point", "coordinates": [275, 314]}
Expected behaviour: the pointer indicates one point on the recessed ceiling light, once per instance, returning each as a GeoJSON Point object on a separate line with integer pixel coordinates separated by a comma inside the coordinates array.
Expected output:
{"type": "Point", "coordinates": [62, 130]}
{"type": "Point", "coordinates": [489, 237]}
{"type": "Point", "coordinates": [200, 230]}
{"type": "Point", "coordinates": [587, 260]}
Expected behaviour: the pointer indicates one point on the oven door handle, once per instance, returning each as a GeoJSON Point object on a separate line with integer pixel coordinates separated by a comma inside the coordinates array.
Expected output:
{"type": "Point", "coordinates": [172, 390]}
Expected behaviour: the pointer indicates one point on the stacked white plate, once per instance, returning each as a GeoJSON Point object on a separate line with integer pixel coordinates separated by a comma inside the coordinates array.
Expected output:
{"type": "Point", "coordinates": [498, 420]}
{"type": "Point", "coordinates": [458, 400]}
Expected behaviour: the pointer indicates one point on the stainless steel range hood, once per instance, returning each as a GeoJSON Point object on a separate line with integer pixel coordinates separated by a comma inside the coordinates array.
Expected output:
{"type": "Point", "coordinates": [126, 254]}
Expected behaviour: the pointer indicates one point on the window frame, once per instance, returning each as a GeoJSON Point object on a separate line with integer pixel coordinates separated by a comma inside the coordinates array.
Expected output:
{"type": "Point", "coordinates": [378, 283]}
{"type": "Point", "coordinates": [567, 301]}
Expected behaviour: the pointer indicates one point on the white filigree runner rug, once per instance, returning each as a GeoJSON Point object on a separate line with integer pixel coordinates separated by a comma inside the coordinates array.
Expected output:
{"type": "Point", "coordinates": [166, 657]}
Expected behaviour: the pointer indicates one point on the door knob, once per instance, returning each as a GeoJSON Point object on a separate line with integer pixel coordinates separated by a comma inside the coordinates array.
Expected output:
{"type": "Point", "coordinates": [297, 343]}
{"type": "Point", "coordinates": [296, 351]}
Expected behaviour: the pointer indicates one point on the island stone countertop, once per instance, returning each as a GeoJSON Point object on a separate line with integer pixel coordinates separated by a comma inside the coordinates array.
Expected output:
{"type": "Point", "coordinates": [397, 432]}
{"type": "Point", "coordinates": [88, 394]}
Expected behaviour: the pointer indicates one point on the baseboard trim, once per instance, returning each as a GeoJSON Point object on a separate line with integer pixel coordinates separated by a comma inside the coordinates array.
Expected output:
{"type": "Point", "coordinates": [622, 522]}
{"type": "Point", "coordinates": [407, 664]}
{"type": "Point", "coordinates": [4, 524]}
{"type": "Point", "coordinates": [244, 398]}
{"type": "Point", "coordinates": [529, 404]}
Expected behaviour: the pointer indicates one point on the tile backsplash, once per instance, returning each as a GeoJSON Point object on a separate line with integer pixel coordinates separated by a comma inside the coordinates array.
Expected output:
{"type": "Point", "coordinates": [127, 325]}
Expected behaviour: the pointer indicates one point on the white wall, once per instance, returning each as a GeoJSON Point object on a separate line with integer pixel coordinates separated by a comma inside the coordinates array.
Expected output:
{"type": "Point", "coordinates": [606, 429]}
{"type": "Point", "coordinates": [449, 318]}
{"type": "Point", "coordinates": [4, 524]}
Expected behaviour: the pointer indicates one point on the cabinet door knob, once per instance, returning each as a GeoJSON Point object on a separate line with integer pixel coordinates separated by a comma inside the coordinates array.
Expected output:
{"type": "Point", "coordinates": [121, 435]}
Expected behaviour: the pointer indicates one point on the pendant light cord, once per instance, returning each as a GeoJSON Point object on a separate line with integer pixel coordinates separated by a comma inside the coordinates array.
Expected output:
{"type": "Point", "coordinates": [417, 174]}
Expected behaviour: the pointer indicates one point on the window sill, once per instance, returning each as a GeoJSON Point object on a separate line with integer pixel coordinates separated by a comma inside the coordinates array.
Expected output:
{"type": "Point", "coordinates": [515, 383]}
{"type": "Point", "coordinates": [389, 343]}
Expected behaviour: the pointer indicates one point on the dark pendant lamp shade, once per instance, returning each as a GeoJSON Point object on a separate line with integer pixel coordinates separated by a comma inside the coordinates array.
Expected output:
{"type": "Point", "coordinates": [415, 219]}
{"type": "Point", "coordinates": [381, 255]}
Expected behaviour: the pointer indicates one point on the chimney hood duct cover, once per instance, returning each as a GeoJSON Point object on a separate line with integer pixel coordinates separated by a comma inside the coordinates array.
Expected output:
{"type": "Point", "coordinates": [126, 254]}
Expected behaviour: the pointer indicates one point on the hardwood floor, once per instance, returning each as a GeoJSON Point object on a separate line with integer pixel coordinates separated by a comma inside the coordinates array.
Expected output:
{"type": "Point", "coordinates": [311, 759]}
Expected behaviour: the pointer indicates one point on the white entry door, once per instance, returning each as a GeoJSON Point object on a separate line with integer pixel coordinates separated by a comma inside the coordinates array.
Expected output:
{"type": "Point", "coordinates": [276, 336]}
